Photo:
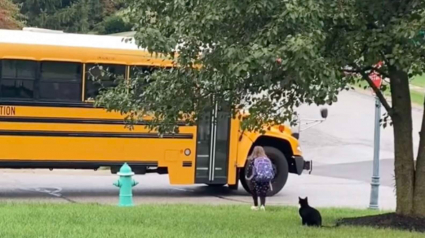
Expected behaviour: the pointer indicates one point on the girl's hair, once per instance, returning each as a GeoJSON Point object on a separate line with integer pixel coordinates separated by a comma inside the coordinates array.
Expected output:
{"type": "Point", "coordinates": [258, 152]}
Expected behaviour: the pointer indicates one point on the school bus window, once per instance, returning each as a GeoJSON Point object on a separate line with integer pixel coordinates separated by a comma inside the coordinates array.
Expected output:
{"type": "Point", "coordinates": [140, 70]}
{"type": "Point", "coordinates": [19, 69]}
{"type": "Point", "coordinates": [17, 79]}
{"type": "Point", "coordinates": [105, 73]}
{"type": "Point", "coordinates": [61, 71]}
{"type": "Point", "coordinates": [60, 81]}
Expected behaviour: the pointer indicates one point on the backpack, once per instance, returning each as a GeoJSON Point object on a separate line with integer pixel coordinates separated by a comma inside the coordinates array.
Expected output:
{"type": "Point", "coordinates": [263, 170]}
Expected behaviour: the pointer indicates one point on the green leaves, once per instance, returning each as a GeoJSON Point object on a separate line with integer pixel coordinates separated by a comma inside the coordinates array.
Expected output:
{"type": "Point", "coordinates": [269, 55]}
{"type": "Point", "coordinates": [74, 15]}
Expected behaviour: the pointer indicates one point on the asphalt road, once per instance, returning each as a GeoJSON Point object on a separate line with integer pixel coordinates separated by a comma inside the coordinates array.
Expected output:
{"type": "Point", "coordinates": [96, 187]}
{"type": "Point", "coordinates": [341, 148]}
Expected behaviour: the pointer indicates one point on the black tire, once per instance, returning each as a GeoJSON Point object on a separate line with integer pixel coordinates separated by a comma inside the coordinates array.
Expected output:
{"type": "Point", "coordinates": [115, 169]}
{"type": "Point", "coordinates": [234, 186]}
{"type": "Point", "coordinates": [281, 167]}
{"type": "Point", "coordinates": [244, 182]}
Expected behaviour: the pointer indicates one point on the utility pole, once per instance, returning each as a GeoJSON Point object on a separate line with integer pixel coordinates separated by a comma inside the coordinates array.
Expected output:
{"type": "Point", "coordinates": [374, 193]}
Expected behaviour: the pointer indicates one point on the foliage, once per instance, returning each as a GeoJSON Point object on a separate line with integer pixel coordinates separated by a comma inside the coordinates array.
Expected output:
{"type": "Point", "coordinates": [115, 24]}
{"type": "Point", "coordinates": [262, 56]}
{"type": "Point", "coordinates": [288, 52]}
{"type": "Point", "coordinates": [9, 15]}
{"type": "Point", "coordinates": [68, 15]}
{"type": "Point", "coordinates": [82, 220]}
{"type": "Point", "coordinates": [284, 54]}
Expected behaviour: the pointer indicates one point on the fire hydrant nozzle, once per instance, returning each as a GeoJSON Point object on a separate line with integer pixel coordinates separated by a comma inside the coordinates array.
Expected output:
{"type": "Point", "coordinates": [125, 183]}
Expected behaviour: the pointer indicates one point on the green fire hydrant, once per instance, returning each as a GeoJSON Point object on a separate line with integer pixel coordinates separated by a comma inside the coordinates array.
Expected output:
{"type": "Point", "coordinates": [126, 184]}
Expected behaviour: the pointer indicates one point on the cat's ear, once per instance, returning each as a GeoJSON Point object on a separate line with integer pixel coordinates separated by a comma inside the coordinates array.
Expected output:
{"type": "Point", "coordinates": [306, 198]}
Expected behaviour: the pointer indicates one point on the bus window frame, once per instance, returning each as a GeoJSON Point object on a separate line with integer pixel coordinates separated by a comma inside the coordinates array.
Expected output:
{"type": "Point", "coordinates": [126, 75]}
{"type": "Point", "coordinates": [46, 60]}
{"type": "Point", "coordinates": [37, 79]}
{"type": "Point", "coordinates": [35, 83]}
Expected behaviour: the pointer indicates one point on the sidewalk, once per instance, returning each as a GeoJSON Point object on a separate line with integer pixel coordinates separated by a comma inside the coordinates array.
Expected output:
{"type": "Point", "coordinates": [335, 192]}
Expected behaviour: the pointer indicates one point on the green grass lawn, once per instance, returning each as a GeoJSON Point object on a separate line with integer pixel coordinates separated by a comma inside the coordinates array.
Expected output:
{"type": "Point", "coordinates": [416, 96]}
{"type": "Point", "coordinates": [87, 221]}
{"type": "Point", "coordinates": [418, 81]}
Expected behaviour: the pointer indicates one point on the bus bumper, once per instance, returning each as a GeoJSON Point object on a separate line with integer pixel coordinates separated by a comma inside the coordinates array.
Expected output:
{"type": "Point", "coordinates": [301, 164]}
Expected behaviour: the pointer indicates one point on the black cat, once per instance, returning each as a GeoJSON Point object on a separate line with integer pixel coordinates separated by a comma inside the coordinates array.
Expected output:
{"type": "Point", "coordinates": [309, 215]}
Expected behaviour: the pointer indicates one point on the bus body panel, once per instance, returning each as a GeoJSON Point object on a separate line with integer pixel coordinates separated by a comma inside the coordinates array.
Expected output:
{"type": "Point", "coordinates": [248, 139]}
{"type": "Point", "coordinates": [233, 152]}
{"type": "Point", "coordinates": [47, 134]}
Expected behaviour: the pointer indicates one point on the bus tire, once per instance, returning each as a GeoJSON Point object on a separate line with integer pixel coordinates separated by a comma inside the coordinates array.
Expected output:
{"type": "Point", "coordinates": [244, 182]}
{"type": "Point", "coordinates": [234, 186]}
{"type": "Point", "coordinates": [280, 164]}
{"type": "Point", "coordinates": [281, 170]}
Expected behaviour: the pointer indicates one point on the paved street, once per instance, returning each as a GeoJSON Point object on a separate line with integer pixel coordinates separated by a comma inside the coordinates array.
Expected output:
{"type": "Point", "coordinates": [342, 146]}
{"type": "Point", "coordinates": [341, 149]}
{"type": "Point", "coordinates": [96, 187]}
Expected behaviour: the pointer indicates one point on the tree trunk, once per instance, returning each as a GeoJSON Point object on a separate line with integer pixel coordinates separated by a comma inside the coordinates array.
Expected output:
{"type": "Point", "coordinates": [403, 141]}
{"type": "Point", "coordinates": [419, 192]}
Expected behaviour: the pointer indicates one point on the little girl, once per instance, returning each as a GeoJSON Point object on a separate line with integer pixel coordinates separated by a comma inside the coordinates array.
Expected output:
{"type": "Point", "coordinates": [257, 189]}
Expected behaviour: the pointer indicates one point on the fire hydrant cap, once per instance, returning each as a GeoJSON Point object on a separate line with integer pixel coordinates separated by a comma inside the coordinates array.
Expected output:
{"type": "Point", "coordinates": [125, 170]}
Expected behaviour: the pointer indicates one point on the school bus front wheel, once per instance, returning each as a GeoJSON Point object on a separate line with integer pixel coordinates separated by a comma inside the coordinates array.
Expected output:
{"type": "Point", "coordinates": [280, 164]}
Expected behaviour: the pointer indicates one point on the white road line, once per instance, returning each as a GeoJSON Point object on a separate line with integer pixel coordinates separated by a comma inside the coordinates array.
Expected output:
{"type": "Point", "coordinates": [53, 191]}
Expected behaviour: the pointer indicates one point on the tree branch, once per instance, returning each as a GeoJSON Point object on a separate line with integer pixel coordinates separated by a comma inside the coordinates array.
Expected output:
{"type": "Point", "coordinates": [376, 90]}
{"type": "Point", "coordinates": [378, 93]}
{"type": "Point", "coordinates": [382, 73]}
{"type": "Point", "coordinates": [359, 71]}
{"type": "Point", "coordinates": [383, 56]}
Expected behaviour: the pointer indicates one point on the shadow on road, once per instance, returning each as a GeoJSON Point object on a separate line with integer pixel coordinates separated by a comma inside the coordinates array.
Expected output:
{"type": "Point", "coordinates": [360, 171]}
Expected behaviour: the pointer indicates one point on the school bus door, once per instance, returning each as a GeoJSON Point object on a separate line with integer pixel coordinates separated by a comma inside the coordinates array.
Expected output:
{"type": "Point", "coordinates": [212, 151]}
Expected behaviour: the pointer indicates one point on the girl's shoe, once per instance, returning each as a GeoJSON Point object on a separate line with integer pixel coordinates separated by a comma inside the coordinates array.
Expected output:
{"type": "Point", "coordinates": [254, 208]}
{"type": "Point", "coordinates": [262, 208]}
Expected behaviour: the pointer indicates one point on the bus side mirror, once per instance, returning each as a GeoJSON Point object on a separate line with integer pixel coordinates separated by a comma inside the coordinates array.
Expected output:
{"type": "Point", "coordinates": [324, 113]}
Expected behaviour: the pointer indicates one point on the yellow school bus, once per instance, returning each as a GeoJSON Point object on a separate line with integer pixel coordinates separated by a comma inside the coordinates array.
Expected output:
{"type": "Point", "coordinates": [47, 117]}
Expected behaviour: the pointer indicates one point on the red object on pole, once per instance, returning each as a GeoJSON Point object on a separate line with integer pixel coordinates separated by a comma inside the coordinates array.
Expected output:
{"type": "Point", "coordinates": [375, 77]}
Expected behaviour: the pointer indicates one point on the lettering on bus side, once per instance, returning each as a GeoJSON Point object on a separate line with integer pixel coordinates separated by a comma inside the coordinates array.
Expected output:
{"type": "Point", "coordinates": [7, 111]}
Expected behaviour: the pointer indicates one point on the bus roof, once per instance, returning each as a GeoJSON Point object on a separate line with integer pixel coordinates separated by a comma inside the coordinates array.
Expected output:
{"type": "Point", "coordinates": [47, 38]}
